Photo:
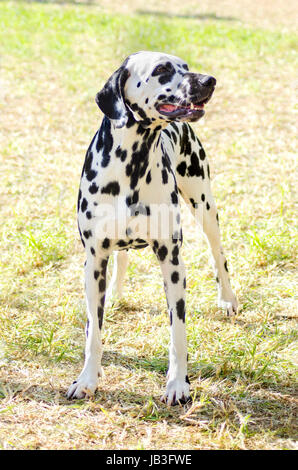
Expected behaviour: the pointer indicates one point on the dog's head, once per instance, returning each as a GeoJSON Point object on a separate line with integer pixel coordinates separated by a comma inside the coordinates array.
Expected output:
{"type": "Point", "coordinates": [155, 87]}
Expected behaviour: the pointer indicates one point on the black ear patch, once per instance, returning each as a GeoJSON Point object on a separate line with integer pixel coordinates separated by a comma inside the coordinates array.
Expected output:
{"type": "Point", "coordinates": [111, 99]}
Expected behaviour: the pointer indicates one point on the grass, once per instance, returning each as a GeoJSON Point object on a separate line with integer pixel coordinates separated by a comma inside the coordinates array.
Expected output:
{"type": "Point", "coordinates": [54, 58]}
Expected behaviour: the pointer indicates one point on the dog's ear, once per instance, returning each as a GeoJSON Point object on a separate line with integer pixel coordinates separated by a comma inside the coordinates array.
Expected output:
{"type": "Point", "coordinates": [111, 100]}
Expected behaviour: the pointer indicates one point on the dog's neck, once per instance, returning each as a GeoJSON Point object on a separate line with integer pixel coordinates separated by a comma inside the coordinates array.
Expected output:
{"type": "Point", "coordinates": [137, 154]}
{"type": "Point", "coordinates": [139, 132]}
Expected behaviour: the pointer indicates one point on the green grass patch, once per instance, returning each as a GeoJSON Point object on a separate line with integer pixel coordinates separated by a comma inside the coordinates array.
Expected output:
{"type": "Point", "coordinates": [54, 58]}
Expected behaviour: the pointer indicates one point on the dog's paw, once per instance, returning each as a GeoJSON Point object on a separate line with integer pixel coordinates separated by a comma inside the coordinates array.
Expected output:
{"type": "Point", "coordinates": [229, 304]}
{"type": "Point", "coordinates": [177, 392]}
{"type": "Point", "coordinates": [110, 299]}
{"type": "Point", "coordinates": [113, 295]}
{"type": "Point", "coordinates": [85, 386]}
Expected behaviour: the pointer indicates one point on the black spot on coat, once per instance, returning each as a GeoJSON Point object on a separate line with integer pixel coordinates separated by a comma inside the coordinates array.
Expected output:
{"type": "Point", "coordinates": [164, 175]}
{"type": "Point", "coordinates": [202, 154]}
{"type": "Point", "coordinates": [174, 197]}
{"type": "Point", "coordinates": [181, 168]}
{"type": "Point", "coordinates": [102, 285]}
{"type": "Point", "coordinates": [111, 188]}
{"type": "Point", "coordinates": [84, 205]}
{"type": "Point", "coordinates": [105, 141]}
{"type": "Point", "coordinates": [91, 175]}
{"type": "Point", "coordinates": [175, 277]}
{"type": "Point", "coordinates": [106, 243]}
{"type": "Point", "coordinates": [162, 253]}
{"type": "Point", "coordinates": [100, 316]}
{"type": "Point", "coordinates": [120, 153]}
{"type": "Point", "coordinates": [180, 306]}
{"type": "Point", "coordinates": [93, 188]}
{"type": "Point", "coordinates": [175, 253]}
{"type": "Point", "coordinates": [148, 177]}
{"type": "Point", "coordinates": [87, 233]}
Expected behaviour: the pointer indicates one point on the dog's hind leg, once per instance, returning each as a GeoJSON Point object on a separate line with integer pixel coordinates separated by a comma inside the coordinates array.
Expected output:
{"type": "Point", "coordinates": [115, 289]}
{"type": "Point", "coordinates": [95, 280]}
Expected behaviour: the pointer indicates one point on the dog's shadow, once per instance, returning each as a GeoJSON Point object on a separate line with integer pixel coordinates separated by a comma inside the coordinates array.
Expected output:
{"type": "Point", "coordinates": [53, 394]}
{"type": "Point", "coordinates": [155, 364]}
{"type": "Point", "coordinates": [193, 16]}
{"type": "Point", "coordinates": [125, 397]}
{"type": "Point", "coordinates": [56, 395]}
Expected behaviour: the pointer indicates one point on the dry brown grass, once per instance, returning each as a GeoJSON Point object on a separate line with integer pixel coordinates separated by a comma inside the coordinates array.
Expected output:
{"type": "Point", "coordinates": [266, 13]}
{"type": "Point", "coordinates": [242, 374]}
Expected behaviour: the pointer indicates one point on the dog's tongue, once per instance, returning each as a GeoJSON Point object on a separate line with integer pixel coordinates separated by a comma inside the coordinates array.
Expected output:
{"type": "Point", "coordinates": [168, 108]}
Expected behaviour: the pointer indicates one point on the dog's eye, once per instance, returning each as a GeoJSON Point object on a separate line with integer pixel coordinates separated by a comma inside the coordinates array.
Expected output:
{"type": "Point", "coordinates": [160, 69]}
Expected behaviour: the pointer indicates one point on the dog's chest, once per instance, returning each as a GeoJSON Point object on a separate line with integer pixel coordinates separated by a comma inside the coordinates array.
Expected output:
{"type": "Point", "coordinates": [135, 173]}
{"type": "Point", "coordinates": [127, 188]}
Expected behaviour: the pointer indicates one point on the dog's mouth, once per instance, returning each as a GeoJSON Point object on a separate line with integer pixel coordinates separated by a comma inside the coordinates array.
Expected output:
{"type": "Point", "coordinates": [191, 111]}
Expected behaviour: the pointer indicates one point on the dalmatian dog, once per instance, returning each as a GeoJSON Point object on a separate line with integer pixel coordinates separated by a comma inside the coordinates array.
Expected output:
{"type": "Point", "coordinates": [145, 155]}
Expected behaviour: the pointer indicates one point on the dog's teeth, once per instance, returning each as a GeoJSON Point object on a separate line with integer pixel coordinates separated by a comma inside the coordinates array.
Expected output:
{"type": "Point", "coordinates": [192, 106]}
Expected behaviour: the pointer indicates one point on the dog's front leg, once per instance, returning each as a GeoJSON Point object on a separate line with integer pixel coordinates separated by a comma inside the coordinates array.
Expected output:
{"type": "Point", "coordinates": [226, 297]}
{"type": "Point", "coordinates": [95, 283]}
{"type": "Point", "coordinates": [173, 271]}
{"type": "Point", "coordinates": [199, 197]}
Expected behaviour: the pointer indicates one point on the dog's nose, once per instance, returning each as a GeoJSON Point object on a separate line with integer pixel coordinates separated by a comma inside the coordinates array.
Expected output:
{"type": "Point", "coordinates": [208, 80]}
